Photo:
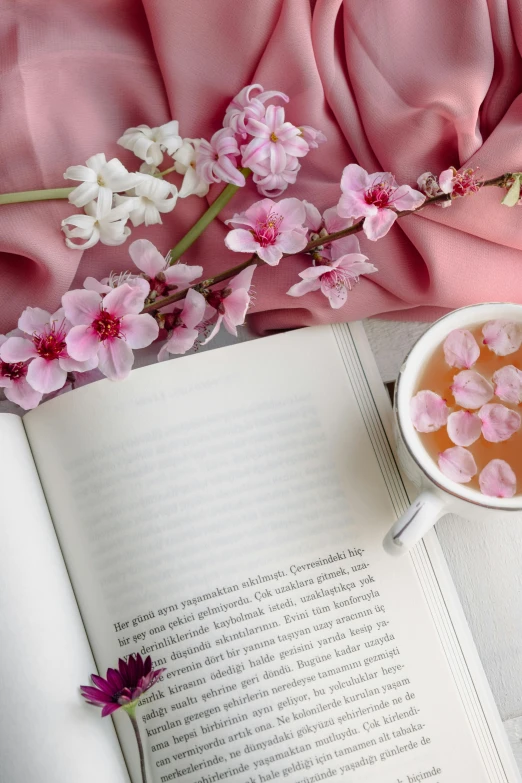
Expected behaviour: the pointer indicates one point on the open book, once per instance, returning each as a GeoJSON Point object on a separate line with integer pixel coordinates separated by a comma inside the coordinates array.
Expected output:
{"type": "Point", "coordinates": [224, 513]}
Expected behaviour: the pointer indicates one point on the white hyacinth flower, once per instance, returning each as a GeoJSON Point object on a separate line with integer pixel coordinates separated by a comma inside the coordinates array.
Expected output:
{"type": "Point", "coordinates": [185, 163]}
{"type": "Point", "coordinates": [100, 179]}
{"type": "Point", "coordinates": [148, 144]}
{"type": "Point", "coordinates": [97, 225]}
{"type": "Point", "coordinates": [150, 197]}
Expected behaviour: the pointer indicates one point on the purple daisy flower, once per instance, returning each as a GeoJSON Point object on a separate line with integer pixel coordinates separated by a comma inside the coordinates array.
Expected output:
{"type": "Point", "coordinates": [122, 687]}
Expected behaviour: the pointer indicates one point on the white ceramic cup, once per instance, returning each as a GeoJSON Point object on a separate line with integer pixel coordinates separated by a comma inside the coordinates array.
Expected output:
{"type": "Point", "coordinates": [438, 494]}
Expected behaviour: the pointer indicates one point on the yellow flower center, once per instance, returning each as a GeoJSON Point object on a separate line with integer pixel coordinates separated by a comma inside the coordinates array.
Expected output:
{"type": "Point", "coordinates": [273, 137]}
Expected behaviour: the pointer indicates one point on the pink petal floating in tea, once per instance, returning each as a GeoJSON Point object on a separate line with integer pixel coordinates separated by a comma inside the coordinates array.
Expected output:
{"type": "Point", "coordinates": [502, 337]}
{"type": "Point", "coordinates": [428, 411]}
{"type": "Point", "coordinates": [508, 384]}
{"type": "Point", "coordinates": [458, 464]}
{"type": "Point", "coordinates": [498, 422]}
{"type": "Point", "coordinates": [461, 349]}
{"type": "Point", "coordinates": [464, 427]}
{"type": "Point", "coordinates": [470, 389]}
{"type": "Point", "coordinates": [498, 480]}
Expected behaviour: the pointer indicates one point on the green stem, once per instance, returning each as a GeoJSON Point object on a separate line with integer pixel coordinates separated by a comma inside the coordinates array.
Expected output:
{"type": "Point", "coordinates": [500, 181]}
{"type": "Point", "coordinates": [205, 219]}
{"type": "Point", "coordinates": [167, 171]}
{"type": "Point", "coordinates": [132, 716]}
{"type": "Point", "coordinates": [35, 195]}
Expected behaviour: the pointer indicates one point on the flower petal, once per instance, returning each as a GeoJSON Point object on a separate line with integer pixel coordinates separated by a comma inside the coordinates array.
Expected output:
{"type": "Point", "coordinates": [508, 384]}
{"type": "Point", "coordinates": [461, 349]}
{"type": "Point", "coordinates": [241, 241]}
{"type": "Point", "coordinates": [124, 299]}
{"type": "Point", "coordinates": [304, 287]}
{"type": "Point", "coordinates": [147, 257]}
{"type": "Point", "coordinates": [17, 349]}
{"type": "Point", "coordinates": [182, 274]}
{"type": "Point", "coordinates": [458, 464]}
{"type": "Point", "coordinates": [498, 422]}
{"type": "Point", "coordinates": [428, 411]}
{"type": "Point", "coordinates": [498, 480]}
{"type": "Point", "coordinates": [181, 341]}
{"type": "Point", "coordinates": [82, 343]}
{"type": "Point", "coordinates": [471, 390]}
{"type": "Point", "coordinates": [464, 428]}
{"type": "Point", "coordinates": [193, 309]}
{"type": "Point", "coordinates": [377, 226]}
{"type": "Point", "coordinates": [81, 307]}
{"type": "Point", "coordinates": [139, 330]}
{"type": "Point", "coordinates": [33, 319]}
{"type": "Point", "coordinates": [22, 394]}
{"type": "Point", "coordinates": [291, 241]}
{"type": "Point", "coordinates": [271, 254]}
{"type": "Point", "coordinates": [407, 198]}
{"type": "Point", "coordinates": [502, 337]}
{"type": "Point", "coordinates": [115, 359]}
{"type": "Point", "coordinates": [354, 178]}
{"type": "Point", "coordinates": [46, 375]}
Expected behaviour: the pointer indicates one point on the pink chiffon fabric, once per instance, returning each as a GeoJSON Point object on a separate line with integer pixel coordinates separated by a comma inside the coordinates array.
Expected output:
{"type": "Point", "coordinates": [395, 86]}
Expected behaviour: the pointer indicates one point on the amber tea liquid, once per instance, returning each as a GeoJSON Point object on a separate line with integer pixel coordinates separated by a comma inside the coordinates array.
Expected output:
{"type": "Point", "coordinates": [438, 377]}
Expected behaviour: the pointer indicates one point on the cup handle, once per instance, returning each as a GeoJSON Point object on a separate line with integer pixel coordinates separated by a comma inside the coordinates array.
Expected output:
{"type": "Point", "coordinates": [414, 523]}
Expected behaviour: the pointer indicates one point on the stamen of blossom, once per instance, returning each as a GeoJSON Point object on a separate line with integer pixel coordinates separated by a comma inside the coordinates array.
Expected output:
{"type": "Point", "coordinates": [458, 183]}
{"type": "Point", "coordinates": [269, 229]}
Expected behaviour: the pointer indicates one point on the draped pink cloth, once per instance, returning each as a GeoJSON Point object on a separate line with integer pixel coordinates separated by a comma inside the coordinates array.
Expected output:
{"type": "Point", "coordinates": [395, 86]}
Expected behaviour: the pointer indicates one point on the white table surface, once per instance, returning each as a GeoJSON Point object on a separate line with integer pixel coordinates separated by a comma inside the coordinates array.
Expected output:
{"type": "Point", "coordinates": [485, 560]}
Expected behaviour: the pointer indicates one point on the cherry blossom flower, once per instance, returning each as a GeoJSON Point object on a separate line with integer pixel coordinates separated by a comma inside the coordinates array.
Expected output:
{"type": "Point", "coordinates": [13, 380]}
{"type": "Point", "coordinates": [273, 185]}
{"type": "Point", "coordinates": [161, 277]}
{"type": "Point", "coordinates": [115, 279]}
{"type": "Point", "coordinates": [429, 185]}
{"type": "Point", "coordinates": [461, 349]}
{"type": "Point", "coordinates": [458, 183]}
{"type": "Point", "coordinates": [181, 323]}
{"type": "Point", "coordinates": [508, 384]}
{"type": "Point", "coordinates": [122, 687]}
{"type": "Point", "coordinates": [231, 303]}
{"type": "Point", "coordinates": [312, 136]}
{"type": "Point", "coordinates": [45, 350]}
{"type": "Point", "coordinates": [98, 225]}
{"type": "Point", "coordinates": [458, 464]}
{"type": "Point", "coordinates": [428, 411]}
{"type": "Point", "coordinates": [149, 197]}
{"type": "Point", "coordinates": [464, 428]}
{"type": "Point", "coordinates": [498, 422]}
{"type": "Point", "coordinates": [274, 139]}
{"type": "Point", "coordinates": [471, 390]}
{"type": "Point", "coordinates": [375, 197]}
{"type": "Point", "coordinates": [216, 159]}
{"type": "Point", "coordinates": [100, 179]}
{"type": "Point", "coordinates": [185, 163]}
{"type": "Point", "coordinates": [269, 229]}
{"type": "Point", "coordinates": [246, 106]}
{"type": "Point", "coordinates": [334, 278]}
{"type": "Point", "coordinates": [502, 337]}
{"type": "Point", "coordinates": [498, 480]}
{"type": "Point", "coordinates": [148, 144]}
{"type": "Point", "coordinates": [108, 328]}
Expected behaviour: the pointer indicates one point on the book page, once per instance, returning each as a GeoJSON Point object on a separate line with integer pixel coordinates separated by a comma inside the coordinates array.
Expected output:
{"type": "Point", "coordinates": [47, 735]}
{"type": "Point", "coordinates": [224, 513]}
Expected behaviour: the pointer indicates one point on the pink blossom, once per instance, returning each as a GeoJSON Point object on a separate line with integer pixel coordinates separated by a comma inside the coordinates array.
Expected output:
{"type": "Point", "coordinates": [216, 159]}
{"type": "Point", "coordinates": [498, 422]}
{"type": "Point", "coordinates": [115, 279]}
{"type": "Point", "coordinates": [461, 349]}
{"type": "Point", "coordinates": [108, 329]}
{"type": "Point", "coordinates": [312, 136]}
{"type": "Point", "coordinates": [458, 183]}
{"type": "Point", "coordinates": [464, 428]}
{"type": "Point", "coordinates": [274, 139]}
{"type": "Point", "coordinates": [248, 106]}
{"type": "Point", "coordinates": [502, 337]}
{"type": "Point", "coordinates": [329, 223]}
{"type": "Point", "coordinates": [508, 384]}
{"type": "Point", "coordinates": [45, 349]}
{"type": "Point", "coordinates": [428, 411]}
{"type": "Point", "coordinates": [458, 464]}
{"type": "Point", "coordinates": [334, 278]}
{"type": "Point", "coordinates": [13, 380]}
{"type": "Point", "coordinates": [471, 390]}
{"type": "Point", "coordinates": [231, 303]}
{"type": "Point", "coordinates": [271, 184]}
{"type": "Point", "coordinates": [269, 229]}
{"type": "Point", "coordinates": [181, 323]}
{"type": "Point", "coordinates": [498, 480]}
{"type": "Point", "coordinates": [161, 277]}
{"type": "Point", "coordinates": [375, 197]}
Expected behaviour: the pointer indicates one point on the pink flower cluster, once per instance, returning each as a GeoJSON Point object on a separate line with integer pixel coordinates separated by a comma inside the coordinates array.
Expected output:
{"type": "Point", "coordinates": [477, 415]}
